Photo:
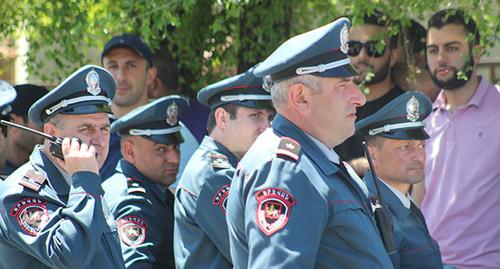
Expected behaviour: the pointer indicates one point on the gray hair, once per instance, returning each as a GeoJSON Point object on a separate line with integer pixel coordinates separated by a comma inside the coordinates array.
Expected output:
{"type": "Point", "coordinates": [279, 89]}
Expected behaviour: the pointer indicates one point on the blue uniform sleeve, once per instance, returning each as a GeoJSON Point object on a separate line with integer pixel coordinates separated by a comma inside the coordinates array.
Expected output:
{"type": "Point", "coordinates": [210, 211]}
{"type": "Point", "coordinates": [141, 230]}
{"type": "Point", "coordinates": [58, 235]}
{"type": "Point", "coordinates": [285, 218]}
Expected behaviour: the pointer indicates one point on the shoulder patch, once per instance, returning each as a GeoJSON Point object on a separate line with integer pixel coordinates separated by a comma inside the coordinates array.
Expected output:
{"type": "Point", "coordinates": [132, 230]}
{"type": "Point", "coordinates": [220, 198]}
{"type": "Point", "coordinates": [273, 209]}
{"type": "Point", "coordinates": [32, 180]}
{"type": "Point", "coordinates": [31, 215]}
{"type": "Point", "coordinates": [219, 161]}
{"type": "Point", "coordinates": [134, 186]}
{"type": "Point", "coordinates": [288, 147]}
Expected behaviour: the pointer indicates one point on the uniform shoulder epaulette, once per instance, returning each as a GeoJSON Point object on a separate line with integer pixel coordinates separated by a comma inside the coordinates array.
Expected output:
{"type": "Point", "coordinates": [32, 180]}
{"type": "Point", "coordinates": [134, 186]}
{"type": "Point", "coordinates": [219, 161]}
{"type": "Point", "coordinates": [289, 148]}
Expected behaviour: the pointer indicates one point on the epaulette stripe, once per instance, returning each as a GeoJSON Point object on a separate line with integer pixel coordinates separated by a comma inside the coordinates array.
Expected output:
{"type": "Point", "coordinates": [287, 153]}
{"type": "Point", "coordinates": [30, 185]}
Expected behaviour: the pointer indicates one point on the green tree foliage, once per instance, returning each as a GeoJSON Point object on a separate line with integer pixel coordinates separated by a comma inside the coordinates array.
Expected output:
{"type": "Point", "coordinates": [207, 39]}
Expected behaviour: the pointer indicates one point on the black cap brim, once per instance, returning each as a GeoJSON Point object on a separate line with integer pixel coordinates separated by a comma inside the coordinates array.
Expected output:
{"type": "Point", "coordinates": [408, 134]}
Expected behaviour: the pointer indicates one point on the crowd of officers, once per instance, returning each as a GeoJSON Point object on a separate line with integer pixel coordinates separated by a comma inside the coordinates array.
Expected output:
{"type": "Point", "coordinates": [273, 184]}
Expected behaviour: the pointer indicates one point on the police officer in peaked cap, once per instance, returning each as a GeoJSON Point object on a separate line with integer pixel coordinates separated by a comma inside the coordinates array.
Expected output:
{"type": "Point", "coordinates": [54, 213]}
{"type": "Point", "coordinates": [293, 203]}
{"type": "Point", "coordinates": [7, 95]}
{"type": "Point", "coordinates": [138, 194]}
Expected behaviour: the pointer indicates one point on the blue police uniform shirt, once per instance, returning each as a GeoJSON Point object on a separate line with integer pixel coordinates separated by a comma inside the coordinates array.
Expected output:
{"type": "Point", "coordinates": [144, 217]}
{"type": "Point", "coordinates": [187, 149]}
{"type": "Point", "coordinates": [48, 223]}
{"type": "Point", "coordinates": [200, 234]}
{"type": "Point", "coordinates": [296, 209]}
{"type": "Point", "coordinates": [416, 248]}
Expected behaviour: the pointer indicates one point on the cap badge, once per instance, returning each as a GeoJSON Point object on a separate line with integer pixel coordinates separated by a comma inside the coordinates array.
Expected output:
{"type": "Point", "coordinates": [412, 109]}
{"type": "Point", "coordinates": [172, 114]}
{"type": "Point", "coordinates": [267, 83]}
{"type": "Point", "coordinates": [92, 80]}
{"type": "Point", "coordinates": [344, 37]}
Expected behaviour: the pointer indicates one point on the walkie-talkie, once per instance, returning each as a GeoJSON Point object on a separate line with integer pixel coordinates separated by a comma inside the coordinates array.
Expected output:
{"type": "Point", "coordinates": [55, 142]}
{"type": "Point", "coordinates": [382, 215]}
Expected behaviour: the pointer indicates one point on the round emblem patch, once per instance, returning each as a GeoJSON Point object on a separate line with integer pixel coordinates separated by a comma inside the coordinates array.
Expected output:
{"type": "Point", "coordinates": [344, 37]}
{"type": "Point", "coordinates": [132, 230]}
{"type": "Point", "coordinates": [220, 198]}
{"type": "Point", "coordinates": [273, 209]}
{"type": "Point", "coordinates": [31, 215]}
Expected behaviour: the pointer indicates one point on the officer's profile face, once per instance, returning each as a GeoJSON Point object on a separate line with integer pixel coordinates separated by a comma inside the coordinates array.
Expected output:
{"type": "Point", "coordinates": [447, 51]}
{"type": "Point", "coordinates": [399, 162]}
{"type": "Point", "coordinates": [132, 76]}
{"type": "Point", "coordinates": [369, 52]}
{"type": "Point", "coordinates": [244, 127]}
{"type": "Point", "coordinates": [158, 162]}
{"type": "Point", "coordinates": [92, 129]}
{"type": "Point", "coordinates": [332, 109]}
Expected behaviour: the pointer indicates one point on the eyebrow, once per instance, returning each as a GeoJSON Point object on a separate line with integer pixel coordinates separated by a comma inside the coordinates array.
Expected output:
{"type": "Point", "coordinates": [446, 44]}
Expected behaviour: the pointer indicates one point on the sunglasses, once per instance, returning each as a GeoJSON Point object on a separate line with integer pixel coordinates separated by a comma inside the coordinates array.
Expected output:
{"type": "Point", "coordinates": [372, 48]}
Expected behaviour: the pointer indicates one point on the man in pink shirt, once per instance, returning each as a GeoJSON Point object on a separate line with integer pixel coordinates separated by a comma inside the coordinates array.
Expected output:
{"type": "Point", "coordinates": [462, 199]}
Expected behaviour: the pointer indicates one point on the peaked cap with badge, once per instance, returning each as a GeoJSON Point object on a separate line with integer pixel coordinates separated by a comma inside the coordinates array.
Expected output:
{"type": "Point", "coordinates": [7, 95]}
{"type": "Point", "coordinates": [88, 90]}
{"type": "Point", "coordinates": [157, 121]}
{"type": "Point", "coordinates": [129, 41]}
{"type": "Point", "coordinates": [320, 52]}
{"type": "Point", "coordinates": [244, 90]}
{"type": "Point", "coordinates": [402, 118]}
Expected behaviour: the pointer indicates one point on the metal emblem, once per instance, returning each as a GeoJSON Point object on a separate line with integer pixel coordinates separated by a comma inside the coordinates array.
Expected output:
{"type": "Point", "coordinates": [412, 109]}
{"type": "Point", "coordinates": [267, 83]}
{"type": "Point", "coordinates": [172, 114]}
{"type": "Point", "coordinates": [92, 80]}
{"type": "Point", "coordinates": [344, 37]}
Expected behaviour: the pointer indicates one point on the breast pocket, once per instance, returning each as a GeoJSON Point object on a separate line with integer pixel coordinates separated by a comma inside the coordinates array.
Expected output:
{"type": "Point", "coordinates": [424, 255]}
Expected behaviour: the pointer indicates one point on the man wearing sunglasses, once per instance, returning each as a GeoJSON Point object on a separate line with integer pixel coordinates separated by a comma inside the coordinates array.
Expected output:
{"type": "Point", "coordinates": [372, 52]}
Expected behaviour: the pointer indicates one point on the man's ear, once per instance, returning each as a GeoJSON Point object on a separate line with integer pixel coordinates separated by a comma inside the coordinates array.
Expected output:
{"type": "Point", "coordinates": [298, 98]}
{"type": "Point", "coordinates": [221, 116]}
{"type": "Point", "coordinates": [152, 73]}
{"type": "Point", "coordinates": [51, 129]}
{"type": "Point", "coordinates": [477, 51]}
{"type": "Point", "coordinates": [394, 56]}
{"type": "Point", "coordinates": [128, 150]}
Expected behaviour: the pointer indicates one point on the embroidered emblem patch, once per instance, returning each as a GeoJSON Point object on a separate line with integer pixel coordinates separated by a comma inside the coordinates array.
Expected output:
{"type": "Point", "coordinates": [31, 215]}
{"type": "Point", "coordinates": [92, 80]}
{"type": "Point", "coordinates": [132, 230]}
{"type": "Point", "coordinates": [172, 114]}
{"type": "Point", "coordinates": [288, 147]}
{"type": "Point", "coordinates": [273, 209]}
{"type": "Point", "coordinates": [133, 186]}
{"type": "Point", "coordinates": [219, 161]}
{"type": "Point", "coordinates": [220, 198]}
{"type": "Point", "coordinates": [32, 180]}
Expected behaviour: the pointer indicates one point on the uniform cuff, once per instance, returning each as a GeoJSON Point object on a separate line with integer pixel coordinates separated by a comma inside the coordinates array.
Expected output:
{"type": "Point", "coordinates": [88, 182]}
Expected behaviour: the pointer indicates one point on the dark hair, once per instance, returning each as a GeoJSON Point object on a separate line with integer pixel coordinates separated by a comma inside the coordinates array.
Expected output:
{"type": "Point", "coordinates": [381, 19]}
{"type": "Point", "coordinates": [230, 108]}
{"type": "Point", "coordinates": [454, 16]}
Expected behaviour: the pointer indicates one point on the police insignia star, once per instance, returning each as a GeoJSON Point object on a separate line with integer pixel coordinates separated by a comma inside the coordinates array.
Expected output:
{"type": "Point", "coordinates": [132, 230]}
{"type": "Point", "coordinates": [220, 198]}
{"type": "Point", "coordinates": [273, 209]}
{"type": "Point", "coordinates": [31, 215]}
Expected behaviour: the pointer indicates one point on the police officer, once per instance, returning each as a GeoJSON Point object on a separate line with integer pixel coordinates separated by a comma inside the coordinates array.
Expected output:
{"type": "Point", "coordinates": [20, 144]}
{"type": "Point", "coordinates": [138, 194]}
{"type": "Point", "coordinates": [395, 136]}
{"type": "Point", "coordinates": [7, 95]}
{"type": "Point", "coordinates": [292, 202]}
{"type": "Point", "coordinates": [240, 109]}
{"type": "Point", "coordinates": [54, 213]}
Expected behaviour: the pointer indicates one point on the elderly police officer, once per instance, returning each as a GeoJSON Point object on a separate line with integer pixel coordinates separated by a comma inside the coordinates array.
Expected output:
{"type": "Point", "coordinates": [395, 136]}
{"type": "Point", "coordinates": [240, 110]}
{"type": "Point", "coordinates": [138, 194]}
{"type": "Point", "coordinates": [292, 202]}
{"type": "Point", "coordinates": [7, 95]}
{"type": "Point", "coordinates": [54, 215]}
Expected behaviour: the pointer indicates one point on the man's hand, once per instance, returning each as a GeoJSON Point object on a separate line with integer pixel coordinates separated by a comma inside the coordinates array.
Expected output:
{"type": "Point", "coordinates": [78, 157]}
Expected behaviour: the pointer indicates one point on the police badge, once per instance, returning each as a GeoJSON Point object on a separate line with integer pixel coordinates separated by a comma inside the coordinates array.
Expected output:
{"type": "Point", "coordinates": [412, 109]}
{"type": "Point", "coordinates": [172, 114]}
{"type": "Point", "coordinates": [92, 80]}
{"type": "Point", "coordinates": [344, 37]}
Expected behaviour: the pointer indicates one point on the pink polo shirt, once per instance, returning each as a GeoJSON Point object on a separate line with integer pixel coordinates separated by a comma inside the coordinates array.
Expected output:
{"type": "Point", "coordinates": [462, 201]}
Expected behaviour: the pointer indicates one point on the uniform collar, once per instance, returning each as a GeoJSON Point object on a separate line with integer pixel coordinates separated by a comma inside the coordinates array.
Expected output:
{"type": "Point", "coordinates": [44, 165]}
{"type": "Point", "coordinates": [130, 171]}
{"type": "Point", "coordinates": [210, 144]}
{"type": "Point", "coordinates": [330, 153]}
{"type": "Point", "coordinates": [390, 198]}
{"type": "Point", "coordinates": [284, 127]}
{"type": "Point", "coordinates": [476, 99]}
